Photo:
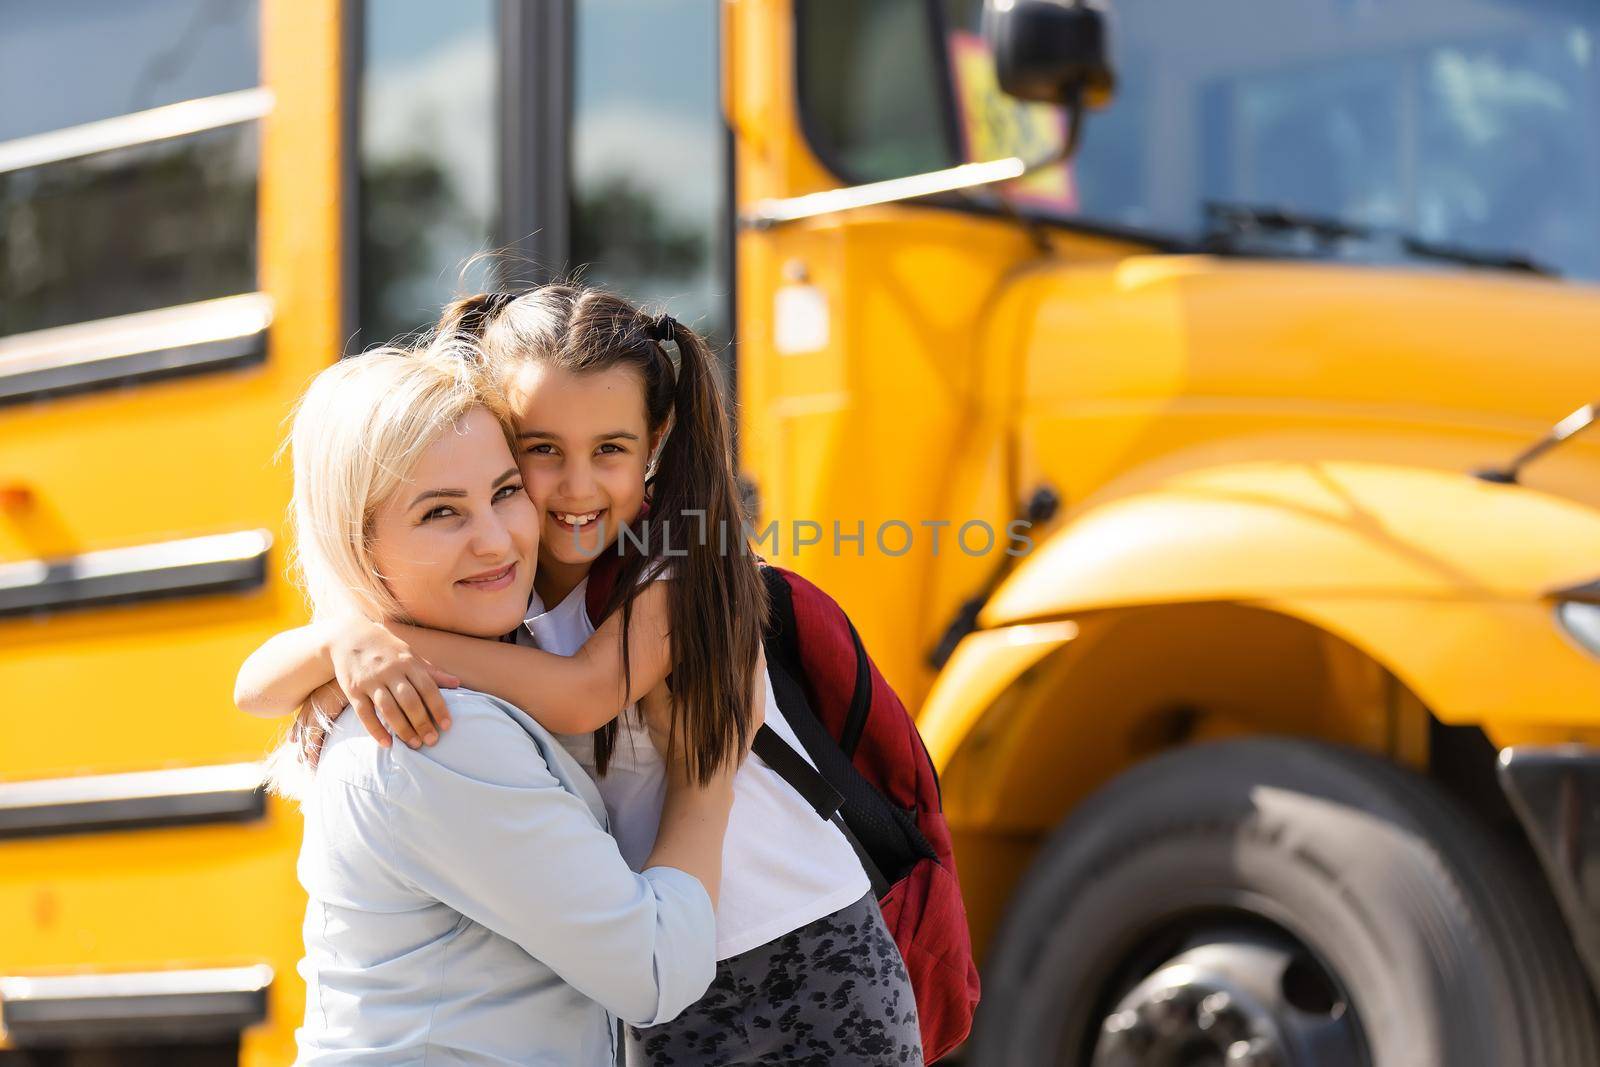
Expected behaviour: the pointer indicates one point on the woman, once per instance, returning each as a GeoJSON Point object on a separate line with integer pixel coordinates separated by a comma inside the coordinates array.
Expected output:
{"type": "Point", "coordinates": [466, 902]}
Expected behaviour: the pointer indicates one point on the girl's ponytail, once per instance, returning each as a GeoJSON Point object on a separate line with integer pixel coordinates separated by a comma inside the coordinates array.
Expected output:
{"type": "Point", "coordinates": [468, 316]}
{"type": "Point", "coordinates": [696, 526]}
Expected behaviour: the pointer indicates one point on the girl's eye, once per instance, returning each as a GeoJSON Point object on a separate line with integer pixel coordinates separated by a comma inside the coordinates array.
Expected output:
{"type": "Point", "coordinates": [540, 450]}
{"type": "Point", "coordinates": [609, 448]}
{"type": "Point", "coordinates": [506, 491]}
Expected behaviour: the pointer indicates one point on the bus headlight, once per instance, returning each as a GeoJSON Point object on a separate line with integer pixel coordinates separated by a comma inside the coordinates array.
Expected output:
{"type": "Point", "coordinates": [1582, 621]}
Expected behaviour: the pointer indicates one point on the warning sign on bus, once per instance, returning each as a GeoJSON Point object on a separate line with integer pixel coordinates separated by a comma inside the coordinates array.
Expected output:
{"type": "Point", "coordinates": [996, 126]}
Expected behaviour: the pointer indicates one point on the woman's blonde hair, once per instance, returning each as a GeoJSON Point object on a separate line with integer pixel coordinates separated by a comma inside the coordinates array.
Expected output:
{"type": "Point", "coordinates": [358, 433]}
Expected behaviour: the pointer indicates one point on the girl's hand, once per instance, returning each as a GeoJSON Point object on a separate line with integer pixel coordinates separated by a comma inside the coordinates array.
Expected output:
{"type": "Point", "coordinates": [390, 687]}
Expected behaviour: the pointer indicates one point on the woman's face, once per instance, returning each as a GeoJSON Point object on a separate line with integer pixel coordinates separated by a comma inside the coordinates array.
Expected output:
{"type": "Point", "coordinates": [456, 543]}
{"type": "Point", "coordinates": [585, 442]}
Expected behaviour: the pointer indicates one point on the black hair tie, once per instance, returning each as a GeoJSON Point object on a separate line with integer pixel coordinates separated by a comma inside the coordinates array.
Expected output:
{"type": "Point", "coordinates": [478, 317]}
{"type": "Point", "coordinates": [661, 328]}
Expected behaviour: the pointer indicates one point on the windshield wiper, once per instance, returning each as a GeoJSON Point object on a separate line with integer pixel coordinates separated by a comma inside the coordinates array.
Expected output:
{"type": "Point", "coordinates": [1229, 227]}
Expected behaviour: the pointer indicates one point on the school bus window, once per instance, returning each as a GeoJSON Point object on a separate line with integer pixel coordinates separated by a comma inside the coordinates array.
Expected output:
{"type": "Point", "coordinates": [429, 130]}
{"type": "Point", "coordinates": [127, 188]}
{"type": "Point", "coordinates": [648, 197]}
{"type": "Point", "coordinates": [133, 229]}
{"type": "Point", "coordinates": [870, 91]}
{"type": "Point", "coordinates": [68, 62]}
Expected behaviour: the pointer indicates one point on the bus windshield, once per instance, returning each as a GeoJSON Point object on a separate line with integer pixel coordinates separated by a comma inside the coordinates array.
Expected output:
{"type": "Point", "coordinates": [1463, 124]}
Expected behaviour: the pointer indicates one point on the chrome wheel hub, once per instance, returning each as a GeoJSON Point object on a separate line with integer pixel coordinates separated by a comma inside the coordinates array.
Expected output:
{"type": "Point", "coordinates": [1246, 1001]}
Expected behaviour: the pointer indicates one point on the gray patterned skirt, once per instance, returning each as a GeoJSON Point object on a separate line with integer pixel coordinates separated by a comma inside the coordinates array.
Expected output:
{"type": "Point", "coordinates": [834, 992]}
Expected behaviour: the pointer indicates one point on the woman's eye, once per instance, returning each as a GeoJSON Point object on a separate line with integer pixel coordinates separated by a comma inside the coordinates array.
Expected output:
{"type": "Point", "coordinates": [608, 449]}
{"type": "Point", "coordinates": [438, 513]}
{"type": "Point", "coordinates": [506, 491]}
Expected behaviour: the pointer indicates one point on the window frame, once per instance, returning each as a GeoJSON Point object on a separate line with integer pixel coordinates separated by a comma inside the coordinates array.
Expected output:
{"type": "Point", "coordinates": [530, 123]}
{"type": "Point", "coordinates": [535, 123]}
{"type": "Point", "coordinates": [84, 356]}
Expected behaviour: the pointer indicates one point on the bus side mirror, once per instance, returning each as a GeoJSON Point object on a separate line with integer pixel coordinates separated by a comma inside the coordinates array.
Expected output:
{"type": "Point", "coordinates": [1050, 51]}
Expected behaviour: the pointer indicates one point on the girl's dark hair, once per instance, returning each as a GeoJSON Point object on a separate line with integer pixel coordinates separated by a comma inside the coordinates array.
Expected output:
{"type": "Point", "coordinates": [717, 603]}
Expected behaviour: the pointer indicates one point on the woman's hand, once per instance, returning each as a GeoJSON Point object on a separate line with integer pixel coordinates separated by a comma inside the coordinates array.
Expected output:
{"type": "Point", "coordinates": [694, 817]}
{"type": "Point", "coordinates": [758, 695]}
{"type": "Point", "coordinates": [656, 708]}
{"type": "Point", "coordinates": [391, 688]}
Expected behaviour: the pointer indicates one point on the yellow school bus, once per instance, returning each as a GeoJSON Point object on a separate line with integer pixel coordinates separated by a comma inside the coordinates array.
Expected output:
{"type": "Point", "coordinates": [1183, 400]}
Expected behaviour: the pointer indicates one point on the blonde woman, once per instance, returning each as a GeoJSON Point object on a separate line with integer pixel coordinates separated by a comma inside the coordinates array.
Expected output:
{"type": "Point", "coordinates": [466, 903]}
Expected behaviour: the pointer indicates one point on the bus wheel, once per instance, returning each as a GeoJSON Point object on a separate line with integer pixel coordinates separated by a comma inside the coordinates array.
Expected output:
{"type": "Point", "coordinates": [1281, 903]}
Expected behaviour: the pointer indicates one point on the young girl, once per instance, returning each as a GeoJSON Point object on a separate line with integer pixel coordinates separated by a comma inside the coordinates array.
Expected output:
{"type": "Point", "coordinates": [465, 902]}
{"type": "Point", "coordinates": [607, 425]}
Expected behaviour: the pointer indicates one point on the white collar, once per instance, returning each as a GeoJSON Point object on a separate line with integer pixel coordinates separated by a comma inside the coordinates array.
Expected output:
{"type": "Point", "coordinates": [537, 610]}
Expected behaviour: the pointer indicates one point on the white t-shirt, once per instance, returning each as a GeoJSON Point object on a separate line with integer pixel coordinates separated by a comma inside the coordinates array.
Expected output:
{"type": "Point", "coordinates": [783, 866]}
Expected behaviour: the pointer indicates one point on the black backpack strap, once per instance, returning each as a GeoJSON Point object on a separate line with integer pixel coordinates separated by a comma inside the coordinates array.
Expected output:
{"type": "Point", "coordinates": [782, 641]}
{"type": "Point", "coordinates": [824, 799]}
{"type": "Point", "coordinates": [793, 768]}
{"type": "Point", "coordinates": [880, 884]}
{"type": "Point", "coordinates": [885, 836]}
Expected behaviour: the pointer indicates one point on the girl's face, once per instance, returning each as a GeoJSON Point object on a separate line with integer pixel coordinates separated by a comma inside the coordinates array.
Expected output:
{"type": "Point", "coordinates": [585, 442]}
{"type": "Point", "coordinates": [457, 542]}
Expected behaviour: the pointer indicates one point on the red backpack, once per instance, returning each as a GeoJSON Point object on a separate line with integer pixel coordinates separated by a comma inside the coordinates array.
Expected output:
{"type": "Point", "coordinates": [873, 771]}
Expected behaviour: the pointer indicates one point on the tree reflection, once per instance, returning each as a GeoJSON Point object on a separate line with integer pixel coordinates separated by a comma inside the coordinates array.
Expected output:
{"type": "Point", "coordinates": [620, 223]}
{"type": "Point", "coordinates": [131, 230]}
{"type": "Point", "coordinates": [407, 205]}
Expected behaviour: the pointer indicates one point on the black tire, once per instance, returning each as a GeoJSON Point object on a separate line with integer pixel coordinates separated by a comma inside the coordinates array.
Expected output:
{"type": "Point", "coordinates": [1451, 950]}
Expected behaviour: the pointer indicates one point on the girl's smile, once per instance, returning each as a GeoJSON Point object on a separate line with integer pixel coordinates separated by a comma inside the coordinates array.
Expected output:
{"type": "Point", "coordinates": [584, 446]}
{"type": "Point", "coordinates": [577, 535]}
{"type": "Point", "coordinates": [574, 524]}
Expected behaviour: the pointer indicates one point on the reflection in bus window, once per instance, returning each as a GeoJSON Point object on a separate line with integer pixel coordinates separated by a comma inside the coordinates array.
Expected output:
{"type": "Point", "coordinates": [428, 134]}
{"type": "Point", "coordinates": [1466, 123]}
{"type": "Point", "coordinates": [151, 226]}
{"type": "Point", "coordinates": [100, 213]}
{"type": "Point", "coordinates": [1484, 145]}
{"type": "Point", "coordinates": [648, 155]}
{"type": "Point", "coordinates": [67, 62]}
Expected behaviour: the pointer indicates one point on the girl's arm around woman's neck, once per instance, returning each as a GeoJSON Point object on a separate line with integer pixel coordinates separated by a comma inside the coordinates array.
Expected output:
{"type": "Point", "coordinates": [279, 676]}
{"type": "Point", "coordinates": [567, 694]}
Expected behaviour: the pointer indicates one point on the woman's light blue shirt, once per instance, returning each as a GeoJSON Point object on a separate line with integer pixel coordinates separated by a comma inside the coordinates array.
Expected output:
{"type": "Point", "coordinates": [468, 907]}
